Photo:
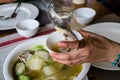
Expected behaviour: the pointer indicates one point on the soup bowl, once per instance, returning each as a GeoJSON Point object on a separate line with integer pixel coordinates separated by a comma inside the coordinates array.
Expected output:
{"type": "Point", "coordinates": [13, 57]}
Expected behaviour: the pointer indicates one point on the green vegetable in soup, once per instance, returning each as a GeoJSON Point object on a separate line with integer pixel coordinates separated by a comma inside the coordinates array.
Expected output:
{"type": "Point", "coordinates": [35, 63]}
{"type": "Point", "coordinates": [42, 54]}
{"type": "Point", "coordinates": [23, 77]}
{"type": "Point", "coordinates": [19, 68]}
{"type": "Point", "coordinates": [38, 48]}
{"type": "Point", "coordinates": [49, 70]}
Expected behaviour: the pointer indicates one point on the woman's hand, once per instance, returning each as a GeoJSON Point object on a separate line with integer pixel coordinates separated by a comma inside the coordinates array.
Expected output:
{"type": "Point", "coordinates": [92, 48]}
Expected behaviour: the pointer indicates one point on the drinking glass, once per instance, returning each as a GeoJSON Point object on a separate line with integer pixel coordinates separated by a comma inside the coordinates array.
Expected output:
{"type": "Point", "coordinates": [60, 14]}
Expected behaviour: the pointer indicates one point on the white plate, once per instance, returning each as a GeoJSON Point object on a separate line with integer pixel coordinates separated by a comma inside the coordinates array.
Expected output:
{"type": "Point", "coordinates": [27, 11]}
{"type": "Point", "coordinates": [110, 30]}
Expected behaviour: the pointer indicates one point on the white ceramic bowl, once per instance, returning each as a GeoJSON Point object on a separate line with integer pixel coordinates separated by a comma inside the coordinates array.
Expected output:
{"type": "Point", "coordinates": [12, 58]}
{"type": "Point", "coordinates": [56, 37]}
{"type": "Point", "coordinates": [27, 28]}
{"type": "Point", "coordinates": [84, 15]}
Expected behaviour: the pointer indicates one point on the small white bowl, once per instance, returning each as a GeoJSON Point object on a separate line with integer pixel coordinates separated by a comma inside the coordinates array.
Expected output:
{"type": "Point", "coordinates": [84, 15]}
{"type": "Point", "coordinates": [27, 28]}
{"type": "Point", "coordinates": [56, 37]}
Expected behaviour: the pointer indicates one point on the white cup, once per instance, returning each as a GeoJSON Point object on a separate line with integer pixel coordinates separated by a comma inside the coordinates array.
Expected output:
{"type": "Point", "coordinates": [27, 28]}
{"type": "Point", "coordinates": [84, 15]}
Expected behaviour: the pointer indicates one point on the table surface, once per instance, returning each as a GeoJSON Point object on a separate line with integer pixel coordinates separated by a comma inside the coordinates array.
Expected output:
{"type": "Point", "coordinates": [94, 73]}
{"type": "Point", "coordinates": [100, 10]}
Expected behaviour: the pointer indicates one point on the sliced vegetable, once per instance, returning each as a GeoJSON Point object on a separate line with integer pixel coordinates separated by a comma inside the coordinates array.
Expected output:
{"type": "Point", "coordinates": [38, 48]}
{"type": "Point", "coordinates": [44, 47]}
{"type": "Point", "coordinates": [43, 54]}
{"type": "Point", "coordinates": [19, 68]}
{"type": "Point", "coordinates": [23, 77]}
{"type": "Point", "coordinates": [35, 63]}
{"type": "Point", "coordinates": [49, 70]}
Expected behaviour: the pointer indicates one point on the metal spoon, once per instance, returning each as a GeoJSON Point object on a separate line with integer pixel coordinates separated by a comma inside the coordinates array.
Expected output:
{"type": "Point", "coordinates": [57, 20]}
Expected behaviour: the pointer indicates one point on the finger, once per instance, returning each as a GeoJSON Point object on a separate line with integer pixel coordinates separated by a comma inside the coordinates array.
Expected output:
{"type": "Point", "coordinates": [87, 33]}
{"type": "Point", "coordinates": [67, 56]}
{"type": "Point", "coordinates": [67, 62]}
{"type": "Point", "coordinates": [85, 42]}
{"type": "Point", "coordinates": [90, 36]}
{"type": "Point", "coordinates": [68, 44]}
{"type": "Point", "coordinates": [76, 61]}
{"type": "Point", "coordinates": [79, 61]}
{"type": "Point", "coordinates": [61, 56]}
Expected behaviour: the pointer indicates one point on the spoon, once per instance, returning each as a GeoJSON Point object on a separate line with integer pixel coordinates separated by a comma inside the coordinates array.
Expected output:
{"type": "Point", "coordinates": [61, 26]}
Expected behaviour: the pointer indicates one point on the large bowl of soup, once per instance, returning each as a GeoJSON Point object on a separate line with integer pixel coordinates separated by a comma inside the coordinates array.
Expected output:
{"type": "Point", "coordinates": [31, 61]}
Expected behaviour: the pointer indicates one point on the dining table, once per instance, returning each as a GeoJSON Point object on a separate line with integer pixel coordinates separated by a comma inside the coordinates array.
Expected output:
{"type": "Point", "coordinates": [9, 39]}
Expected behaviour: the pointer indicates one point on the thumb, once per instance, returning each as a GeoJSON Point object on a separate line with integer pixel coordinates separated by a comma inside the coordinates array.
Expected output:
{"type": "Point", "coordinates": [68, 44]}
{"type": "Point", "coordinates": [87, 33]}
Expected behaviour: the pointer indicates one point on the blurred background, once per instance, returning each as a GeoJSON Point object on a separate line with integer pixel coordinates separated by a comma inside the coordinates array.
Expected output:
{"type": "Point", "coordinates": [107, 7]}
